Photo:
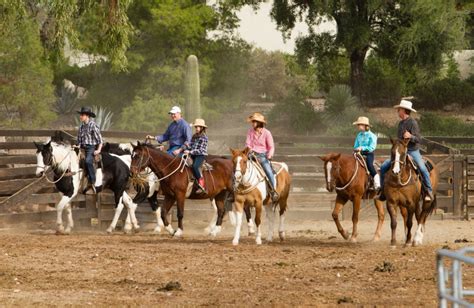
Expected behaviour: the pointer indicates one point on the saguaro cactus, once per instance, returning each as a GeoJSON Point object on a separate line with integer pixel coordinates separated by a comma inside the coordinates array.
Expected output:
{"type": "Point", "coordinates": [192, 89]}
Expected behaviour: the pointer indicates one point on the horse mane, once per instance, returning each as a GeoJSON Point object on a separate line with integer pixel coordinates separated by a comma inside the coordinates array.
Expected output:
{"type": "Point", "coordinates": [60, 152]}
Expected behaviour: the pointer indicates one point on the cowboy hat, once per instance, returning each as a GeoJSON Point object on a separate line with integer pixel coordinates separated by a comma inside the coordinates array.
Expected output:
{"type": "Point", "coordinates": [174, 110]}
{"type": "Point", "coordinates": [257, 116]}
{"type": "Point", "coordinates": [405, 105]}
{"type": "Point", "coordinates": [362, 121]}
{"type": "Point", "coordinates": [87, 110]}
{"type": "Point", "coordinates": [199, 122]}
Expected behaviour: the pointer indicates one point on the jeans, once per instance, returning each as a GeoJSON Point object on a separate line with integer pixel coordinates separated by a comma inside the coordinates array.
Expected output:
{"type": "Point", "coordinates": [90, 162]}
{"type": "Point", "coordinates": [198, 160]}
{"type": "Point", "coordinates": [418, 159]}
{"type": "Point", "coordinates": [173, 148]}
{"type": "Point", "coordinates": [369, 158]}
{"type": "Point", "coordinates": [267, 167]}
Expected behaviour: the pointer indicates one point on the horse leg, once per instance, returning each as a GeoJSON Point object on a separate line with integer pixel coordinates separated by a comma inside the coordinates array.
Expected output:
{"type": "Point", "coordinates": [220, 205]}
{"type": "Point", "coordinates": [118, 211]}
{"type": "Point", "coordinates": [409, 225]}
{"type": "Point", "coordinates": [335, 215]}
{"type": "Point", "coordinates": [168, 203]}
{"type": "Point", "coordinates": [70, 222]}
{"type": "Point", "coordinates": [59, 209]}
{"type": "Point", "coordinates": [418, 239]}
{"type": "Point", "coordinates": [404, 212]}
{"type": "Point", "coordinates": [270, 218]}
{"type": "Point", "coordinates": [355, 218]}
{"type": "Point", "coordinates": [393, 221]}
{"type": "Point", "coordinates": [212, 224]}
{"type": "Point", "coordinates": [157, 210]}
{"type": "Point", "coordinates": [180, 205]}
{"type": "Point", "coordinates": [258, 221]}
{"type": "Point", "coordinates": [281, 228]}
{"type": "Point", "coordinates": [381, 217]}
{"type": "Point", "coordinates": [132, 207]}
{"type": "Point", "coordinates": [250, 222]}
{"type": "Point", "coordinates": [238, 211]}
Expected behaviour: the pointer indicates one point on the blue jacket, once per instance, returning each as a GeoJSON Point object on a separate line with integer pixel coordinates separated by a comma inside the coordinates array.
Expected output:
{"type": "Point", "coordinates": [367, 140]}
{"type": "Point", "coordinates": [178, 134]}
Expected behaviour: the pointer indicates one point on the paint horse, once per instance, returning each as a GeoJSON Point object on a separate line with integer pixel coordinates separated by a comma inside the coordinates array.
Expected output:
{"type": "Point", "coordinates": [64, 161]}
{"type": "Point", "coordinates": [250, 190]}
{"type": "Point", "coordinates": [176, 183]}
{"type": "Point", "coordinates": [403, 189]}
{"type": "Point", "coordinates": [347, 175]}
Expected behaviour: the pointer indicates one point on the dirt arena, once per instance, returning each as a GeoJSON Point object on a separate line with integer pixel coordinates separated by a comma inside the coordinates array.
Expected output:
{"type": "Point", "coordinates": [312, 267]}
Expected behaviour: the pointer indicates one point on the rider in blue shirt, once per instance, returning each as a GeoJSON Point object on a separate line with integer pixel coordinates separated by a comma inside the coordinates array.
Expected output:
{"type": "Point", "coordinates": [365, 143]}
{"type": "Point", "coordinates": [178, 134]}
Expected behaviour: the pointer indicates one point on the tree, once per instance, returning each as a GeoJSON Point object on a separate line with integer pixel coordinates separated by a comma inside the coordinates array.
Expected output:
{"type": "Point", "coordinates": [26, 92]}
{"type": "Point", "coordinates": [415, 32]}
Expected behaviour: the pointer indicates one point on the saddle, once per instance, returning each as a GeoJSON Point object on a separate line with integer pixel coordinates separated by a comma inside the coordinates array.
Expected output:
{"type": "Point", "coordinates": [428, 165]}
{"type": "Point", "coordinates": [205, 165]}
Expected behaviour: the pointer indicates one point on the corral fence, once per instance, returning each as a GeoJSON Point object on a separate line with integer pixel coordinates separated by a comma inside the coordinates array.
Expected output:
{"type": "Point", "coordinates": [25, 198]}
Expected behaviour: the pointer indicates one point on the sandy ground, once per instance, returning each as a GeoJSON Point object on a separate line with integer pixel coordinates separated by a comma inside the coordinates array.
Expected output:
{"type": "Point", "coordinates": [314, 266]}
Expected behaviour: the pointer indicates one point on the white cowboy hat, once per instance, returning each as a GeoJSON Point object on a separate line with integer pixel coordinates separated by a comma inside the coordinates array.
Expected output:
{"type": "Point", "coordinates": [405, 105]}
{"type": "Point", "coordinates": [174, 110]}
{"type": "Point", "coordinates": [362, 120]}
{"type": "Point", "coordinates": [199, 122]}
{"type": "Point", "coordinates": [257, 116]}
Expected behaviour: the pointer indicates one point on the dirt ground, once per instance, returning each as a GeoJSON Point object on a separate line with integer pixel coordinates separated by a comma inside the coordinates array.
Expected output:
{"type": "Point", "coordinates": [314, 266]}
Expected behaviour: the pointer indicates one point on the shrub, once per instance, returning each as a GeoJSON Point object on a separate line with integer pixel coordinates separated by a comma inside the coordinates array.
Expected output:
{"type": "Point", "coordinates": [444, 92]}
{"type": "Point", "coordinates": [432, 124]}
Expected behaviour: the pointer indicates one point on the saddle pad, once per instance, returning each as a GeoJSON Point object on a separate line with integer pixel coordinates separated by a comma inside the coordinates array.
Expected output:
{"type": "Point", "coordinates": [428, 164]}
{"type": "Point", "coordinates": [205, 166]}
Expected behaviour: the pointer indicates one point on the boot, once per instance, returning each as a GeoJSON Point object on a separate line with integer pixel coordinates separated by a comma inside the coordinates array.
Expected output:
{"type": "Point", "coordinates": [274, 195]}
{"type": "Point", "coordinates": [201, 186]}
{"type": "Point", "coordinates": [429, 196]}
{"type": "Point", "coordinates": [377, 182]}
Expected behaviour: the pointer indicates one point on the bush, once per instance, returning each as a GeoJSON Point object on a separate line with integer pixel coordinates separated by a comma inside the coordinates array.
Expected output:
{"type": "Point", "coordinates": [432, 124]}
{"type": "Point", "coordinates": [444, 92]}
{"type": "Point", "coordinates": [341, 109]}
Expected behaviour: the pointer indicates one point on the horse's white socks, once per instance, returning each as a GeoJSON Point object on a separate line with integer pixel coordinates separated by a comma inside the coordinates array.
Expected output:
{"type": "Point", "coordinates": [251, 226]}
{"type": "Point", "coordinates": [170, 229]}
{"type": "Point", "coordinates": [238, 225]}
{"type": "Point", "coordinates": [178, 233]}
{"type": "Point", "coordinates": [418, 239]}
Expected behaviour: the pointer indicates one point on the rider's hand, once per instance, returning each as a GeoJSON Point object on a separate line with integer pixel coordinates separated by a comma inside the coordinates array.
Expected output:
{"type": "Point", "coordinates": [186, 152]}
{"type": "Point", "coordinates": [149, 137]}
{"type": "Point", "coordinates": [96, 152]}
{"type": "Point", "coordinates": [358, 149]}
{"type": "Point", "coordinates": [407, 135]}
{"type": "Point", "coordinates": [269, 157]}
{"type": "Point", "coordinates": [176, 152]}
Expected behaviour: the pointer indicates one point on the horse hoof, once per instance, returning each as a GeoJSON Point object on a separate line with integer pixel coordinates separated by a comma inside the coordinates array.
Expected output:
{"type": "Point", "coordinates": [235, 243]}
{"type": "Point", "coordinates": [170, 230]}
{"type": "Point", "coordinates": [59, 232]}
{"type": "Point", "coordinates": [376, 239]}
{"type": "Point", "coordinates": [136, 229]}
{"type": "Point", "coordinates": [178, 233]}
{"type": "Point", "coordinates": [67, 231]}
{"type": "Point", "coordinates": [109, 230]}
{"type": "Point", "coordinates": [258, 241]}
{"type": "Point", "coordinates": [157, 230]}
{"type": "Point", "coordinates": [345, 235]}
{"type": "Point", "coordinates": [416, 243]}
{"type": "Point", "coordinates": [353, 240]}
{"type": "Point", "coordinates": [208, 230]}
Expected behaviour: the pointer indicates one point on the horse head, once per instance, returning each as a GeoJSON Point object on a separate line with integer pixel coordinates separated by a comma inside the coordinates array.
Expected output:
{"type": "Point", "coordinates": [44, 157]}
{"type": "Point", "coordinates": [398, 154]}
{"type": "Point", "coordinates": [239, 161]}
{"type": "Point", "coordinates": [329, 161]}
{"type": "Point", "coordinates": [140, 158]}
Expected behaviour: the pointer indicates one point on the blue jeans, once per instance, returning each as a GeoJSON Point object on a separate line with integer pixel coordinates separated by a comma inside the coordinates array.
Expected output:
{"type": "Point", "coordinates": [173, 148]}
{"type": "Point", "coordinates": [198, 160]}
{"type": "Point", "coordinates": [267, 167]}
{"type": "Point", "coordinates": [418, 159]}
{"type": "Point", "coordinates": [90, 162]}
{"type": "Point", "coordinates": [369, 158]}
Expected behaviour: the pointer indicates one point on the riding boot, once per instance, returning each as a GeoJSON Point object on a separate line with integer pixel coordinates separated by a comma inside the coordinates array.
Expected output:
{"type": "Point", "coordinates": [429, 196]}
{"type": "Point", "coordinates": [274, 195]}
{"type": "Point", "coordinates": [201, 186]}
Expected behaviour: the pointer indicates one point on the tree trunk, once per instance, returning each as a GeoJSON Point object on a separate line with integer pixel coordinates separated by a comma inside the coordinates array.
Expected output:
{"type": "Point", "coordinates": [357, 58]}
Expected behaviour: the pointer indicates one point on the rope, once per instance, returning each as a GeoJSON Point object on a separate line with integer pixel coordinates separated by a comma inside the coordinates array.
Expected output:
{"type": "Point", "coordinates": [352, 179]}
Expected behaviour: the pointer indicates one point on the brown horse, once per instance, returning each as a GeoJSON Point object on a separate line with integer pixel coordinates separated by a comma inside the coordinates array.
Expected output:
{"type": "Point", "coordinates": [403, 189]}
{"type": "Point", "coordinates": [346, 175]}
{"type": "Point", "coordinates": [251, 190]}
{"type": "Point", "coordinates": [175, 180]}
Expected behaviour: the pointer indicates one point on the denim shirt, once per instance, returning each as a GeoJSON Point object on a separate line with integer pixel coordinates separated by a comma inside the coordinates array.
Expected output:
{"type": "Point", "coordinates": [366, 140]}
{"type": "Point", "coordinates": [178, 134]}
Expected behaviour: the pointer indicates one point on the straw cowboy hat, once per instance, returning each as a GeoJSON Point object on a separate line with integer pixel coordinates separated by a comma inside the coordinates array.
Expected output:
{"type": "Point", "coordinates": [199, 122]}
{"type": "Point", "coordinates": [257, 116]}
{"type": "Point", "coordinates": [405, 105]}
{"type": "Point", "coordinates": [87, 110]}
{"type": "Point", "coordinates": [362, 121]}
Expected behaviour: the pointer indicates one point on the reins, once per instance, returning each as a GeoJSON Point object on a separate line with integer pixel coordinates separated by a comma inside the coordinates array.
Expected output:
{"type": "Point", "coordinates": [52, 162]}
{"type": "Point", "coordinates": [353, 176]}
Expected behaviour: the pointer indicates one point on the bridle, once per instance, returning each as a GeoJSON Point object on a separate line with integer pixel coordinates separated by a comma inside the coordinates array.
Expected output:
{"type": "Point", "coordinates": [239, 186]}
{"type": "Point", "coordinates": [338, 170]}
{"type": "Point", "coordinates": [399, 174]}
{"type": "Point", "coordinates": [52, 162]}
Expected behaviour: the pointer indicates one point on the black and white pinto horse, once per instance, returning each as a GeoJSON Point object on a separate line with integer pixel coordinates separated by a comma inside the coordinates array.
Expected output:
{"type": "Point", "coordinates": [64, 161]}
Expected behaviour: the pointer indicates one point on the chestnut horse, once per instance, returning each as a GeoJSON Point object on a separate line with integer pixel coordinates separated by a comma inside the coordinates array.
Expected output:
{"type": "Point", "coordinates": [175, 180]}
{"type": "Point", "coordinates": [250, 189]}
{"type": "Point", "coordinates": [403, 189]}
{"type": "Point", "coordinates": [346, 174]}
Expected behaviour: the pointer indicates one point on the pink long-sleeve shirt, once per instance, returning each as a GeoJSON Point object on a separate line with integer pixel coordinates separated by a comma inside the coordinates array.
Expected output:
{"type": "Point", "coordinates": [262, 143]}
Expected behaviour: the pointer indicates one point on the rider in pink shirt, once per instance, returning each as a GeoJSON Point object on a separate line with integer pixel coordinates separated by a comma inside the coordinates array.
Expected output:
{"type": "Point", "coordinates": [260, 141]}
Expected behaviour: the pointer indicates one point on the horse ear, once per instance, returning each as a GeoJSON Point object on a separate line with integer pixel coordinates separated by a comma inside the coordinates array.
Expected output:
{"type": "Point", "coordinates": [133, 146]}
{"type": "Point", "coordinates": [48, 144]}
{"type": "Point", "coordinates": [39, 146]}
{"type": "Point", "coordinates": [406, 141]}
{"type": "Point", "coordinates": [323, 158]}
{"type": "Point", "coordinates": [336, 156]}
{"type": "Point", "coordinates": [246, 151]}
{"type": "Point", "coordinates": [234, 152]}
{"type": "Point", "coordinates": [391, 140]}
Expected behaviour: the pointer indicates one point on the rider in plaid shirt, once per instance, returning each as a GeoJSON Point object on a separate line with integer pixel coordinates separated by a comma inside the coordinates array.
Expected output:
{"type": "Point", "coordinates": [198, 152]}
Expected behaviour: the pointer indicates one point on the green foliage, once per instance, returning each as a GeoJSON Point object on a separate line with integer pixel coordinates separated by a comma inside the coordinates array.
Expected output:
{"type": "Point", "coordinates": [446, 91]}
{"type": "Point", "coordinates": [432, 124]}
{"type": "Point", "coordinates": [149, 115]}
{"type": "Point", "coordinates": [103, 118]}
{"type": "Point", "coordinates": [341, 106]}
{"type": "Point", "coordinates": [192, 89]}
{"type": "Point", "coordinates": [26, 91]}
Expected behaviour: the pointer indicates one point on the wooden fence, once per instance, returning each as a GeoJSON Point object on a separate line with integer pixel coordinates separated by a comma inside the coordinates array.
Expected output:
{"type": "Point", "coordinates": [23, 197]}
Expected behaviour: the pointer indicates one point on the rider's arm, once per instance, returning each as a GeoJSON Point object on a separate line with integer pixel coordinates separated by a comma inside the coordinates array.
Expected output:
{"type": "Point", "coordinates": [164, 137]}
{"type": "Point", "coordinates": [200, 146]}
{"type": "Point", "coordinates": [270, 145]}
{"type": "Point", "coordinates": [188, 134]}
{"type": "Point", "coordinates": [415, 132]}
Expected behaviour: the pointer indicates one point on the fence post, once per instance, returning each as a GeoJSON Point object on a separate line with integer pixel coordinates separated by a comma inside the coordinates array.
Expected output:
{"type": "Point", "coordinates": [458, 176]}
{"type": "Point", "coordinates": [91, 209]}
